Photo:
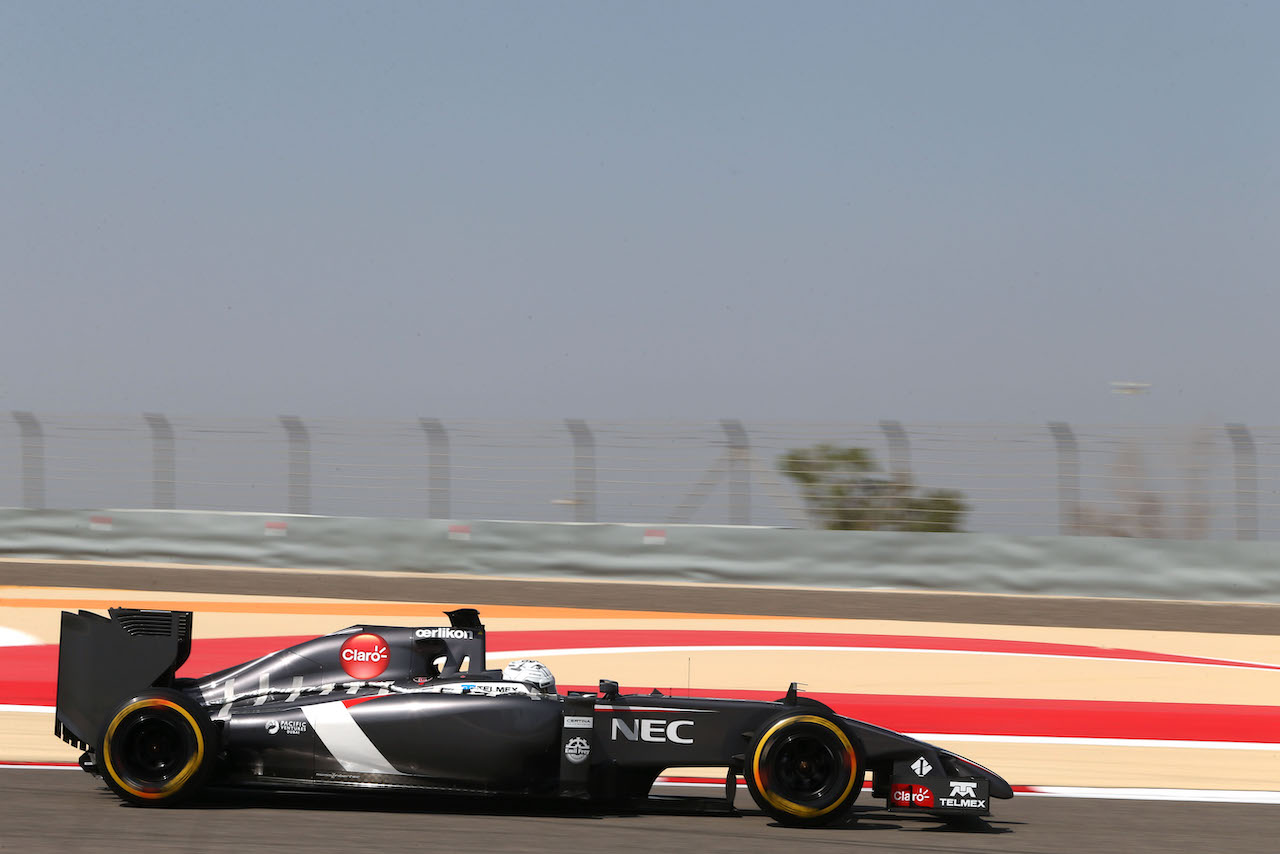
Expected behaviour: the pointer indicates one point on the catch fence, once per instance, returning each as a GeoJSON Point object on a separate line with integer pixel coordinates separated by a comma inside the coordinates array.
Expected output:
{"type": "Point", "coordinates": [1214, 482]}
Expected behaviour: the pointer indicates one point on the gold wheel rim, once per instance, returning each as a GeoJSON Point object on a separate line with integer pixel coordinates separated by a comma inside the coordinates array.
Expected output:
{"type": "Point", "coordinates": [170, 787]}
{"type": "Point", "coordinates": [791, 807]}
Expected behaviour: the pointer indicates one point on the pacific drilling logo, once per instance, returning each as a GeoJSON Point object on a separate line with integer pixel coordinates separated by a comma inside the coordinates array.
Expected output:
{"type": "Point", "coordinates": [365, 656]}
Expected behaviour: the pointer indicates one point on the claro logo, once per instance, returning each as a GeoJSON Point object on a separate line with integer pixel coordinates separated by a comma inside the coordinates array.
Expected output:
{"type": "Point", "coordinates": [364, 656]}
{"type": "Point", "coordinates": [907, 795]}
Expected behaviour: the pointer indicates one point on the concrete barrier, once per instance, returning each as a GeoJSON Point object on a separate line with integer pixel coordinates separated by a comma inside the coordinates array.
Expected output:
{"type": "Point", "coordinates": [976, 563]}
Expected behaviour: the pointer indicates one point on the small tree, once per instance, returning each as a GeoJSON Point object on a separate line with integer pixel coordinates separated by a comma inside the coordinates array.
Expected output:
{"type": "Point", "coordinates": [844, 489]}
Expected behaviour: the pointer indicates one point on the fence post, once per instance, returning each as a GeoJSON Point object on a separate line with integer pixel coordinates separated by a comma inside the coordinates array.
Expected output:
{"type": "Point", "coordinates": [437, 468]}
{"type": "Point", "coordinates": [299, 464]}
{"type": "Point", "coordinates": [1068, 476]}
{"type": "Point", "coordinates": [33, 497]}
{"type": "Point", "coordinates": [899, 451]}
{"type": "Point", "coordinates": [739, 471]}
{"type": "Point", "coordinates": [1246, 456]}
{"type": "Point", "coordinates": [584, 470]}
{"type": "Point", "coordinates": [164, 465]}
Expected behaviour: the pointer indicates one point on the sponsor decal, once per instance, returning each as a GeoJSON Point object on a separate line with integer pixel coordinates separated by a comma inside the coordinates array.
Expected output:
{"type": "Point", "coordinates": [364, 656]}
{"type": "Point", "coordinates": [921, 767]}
{"type": "Point", "coordinates": [964, 795]}
{"type": "Point", "coordinates": [908, 795]}
{"type": "Point", "coordinates": [577, 750]}
{"type": "Point", "coordinates": [444, 633]}
{"type": "Point", "coordinates": [287, 727]}
{"type": "Point", "coordinates": [653, 731]}
{"type": "Point", "coordinates": [495, 689]}
{"type": "Point", "coordinates": [963, 803]}
{"type": "Point", "coordinates": [576, 722]}
{"type": "Point", "coordinates": [474, 689]}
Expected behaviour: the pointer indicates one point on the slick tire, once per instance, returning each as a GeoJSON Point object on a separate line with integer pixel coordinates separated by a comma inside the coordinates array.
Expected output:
{"type": "Point", "coordinates": [803, 770]}
{"type": "Point", "coordinates": [157, 748]}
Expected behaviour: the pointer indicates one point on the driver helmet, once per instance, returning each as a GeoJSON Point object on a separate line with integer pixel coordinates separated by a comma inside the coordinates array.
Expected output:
{"type": "Point", "coordinates": [533, 672]}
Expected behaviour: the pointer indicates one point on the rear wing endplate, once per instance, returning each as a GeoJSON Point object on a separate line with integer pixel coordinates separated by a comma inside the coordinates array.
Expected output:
{"type": "Point", "coordinates": [102, 661]}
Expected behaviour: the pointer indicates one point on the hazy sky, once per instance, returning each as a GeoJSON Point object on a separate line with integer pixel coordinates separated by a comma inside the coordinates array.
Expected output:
{"type": "Point", "coordinates": [858, 210]}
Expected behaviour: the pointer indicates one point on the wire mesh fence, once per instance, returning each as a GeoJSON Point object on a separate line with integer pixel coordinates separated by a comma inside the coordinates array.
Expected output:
{"type": "Point", "coordinates": [1169, 482]}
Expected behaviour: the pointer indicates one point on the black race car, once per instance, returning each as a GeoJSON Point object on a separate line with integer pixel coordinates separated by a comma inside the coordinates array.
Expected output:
{"type": "Point", "coordinates": [379, 707]}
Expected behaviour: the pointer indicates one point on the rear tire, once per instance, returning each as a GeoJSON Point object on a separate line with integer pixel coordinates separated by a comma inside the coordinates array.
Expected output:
{"type": "Point", "coordinates": [157, 748]}
{"type": "Point", "coordinates": [804, 770]}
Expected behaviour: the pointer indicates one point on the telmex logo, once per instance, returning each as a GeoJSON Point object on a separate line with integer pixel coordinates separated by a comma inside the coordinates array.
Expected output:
{"type": "Point", "coordinates": [651, 731]}
{"type": "Point", "coordinates": [365, 656]}
{"type": "Point", "coordinates": [963, 790]}
{"type": "Point", "coordinates": [965, 803]}
{"type": "Point", "coordinates": [444, 634]}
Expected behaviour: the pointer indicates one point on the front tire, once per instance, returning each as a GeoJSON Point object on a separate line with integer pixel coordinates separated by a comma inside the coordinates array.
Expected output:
{"type": "Point", "coordinates": [803, 770]}
{"type": "Point", "coordinates": [157, 748]}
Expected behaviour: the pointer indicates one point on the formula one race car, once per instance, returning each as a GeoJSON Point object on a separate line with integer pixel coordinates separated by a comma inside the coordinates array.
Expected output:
{"type": "Point", "coordinates": [377, 707]}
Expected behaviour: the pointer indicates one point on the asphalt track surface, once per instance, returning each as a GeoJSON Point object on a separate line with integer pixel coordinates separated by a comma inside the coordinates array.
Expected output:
{"type": "Point", "coordinates": [1151, 615]}
{"type": "Point", "coordinates": [67, 811]}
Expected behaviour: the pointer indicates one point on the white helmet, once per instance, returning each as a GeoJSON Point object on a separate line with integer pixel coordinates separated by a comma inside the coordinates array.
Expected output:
{"type": "Point", "coordinates": [533, 672]}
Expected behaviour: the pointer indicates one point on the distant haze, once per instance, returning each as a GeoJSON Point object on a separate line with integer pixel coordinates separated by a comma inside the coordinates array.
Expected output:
{"type": "Point", "coordinates": [950, 211]}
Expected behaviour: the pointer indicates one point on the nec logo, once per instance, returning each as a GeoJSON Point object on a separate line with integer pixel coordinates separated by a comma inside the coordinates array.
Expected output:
{"type": "Point", "coordinates": [648, 729]}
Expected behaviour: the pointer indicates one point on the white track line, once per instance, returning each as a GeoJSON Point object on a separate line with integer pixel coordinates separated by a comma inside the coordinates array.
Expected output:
{"type": "Point", "coordinates": [13, 637]}
{"type": "Point", "coordinates": [501, 654]}
{"type": "Point", "coordinates": [934, 737]}
{"type": "Point", "coordinates": [1223, 796]}
{"type": "Point", "coordinates": [1216, 796]}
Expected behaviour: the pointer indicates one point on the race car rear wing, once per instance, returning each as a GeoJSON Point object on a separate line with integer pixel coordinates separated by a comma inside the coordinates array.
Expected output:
{"type": "Point", "coordinates": [102, 661]}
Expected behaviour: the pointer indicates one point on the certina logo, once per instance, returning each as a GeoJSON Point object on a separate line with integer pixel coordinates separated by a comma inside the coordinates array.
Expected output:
{"type": "Point", "coordinates": [577, 750]}
{"type": "Point", "coordinates": [652, 731]}
{"type": "Point", "coordinates": [921, 767]}
{"type": "Point", "coordinates": [289, 727]}
{"type": "Point", "coordinates": [444, 634]}
{"type": "Point", "coordinates": [365, 656]}
{"type": "Point", "coordinates": [963, 790]}
{"type": "Point", "coordinates": [907, 795]}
